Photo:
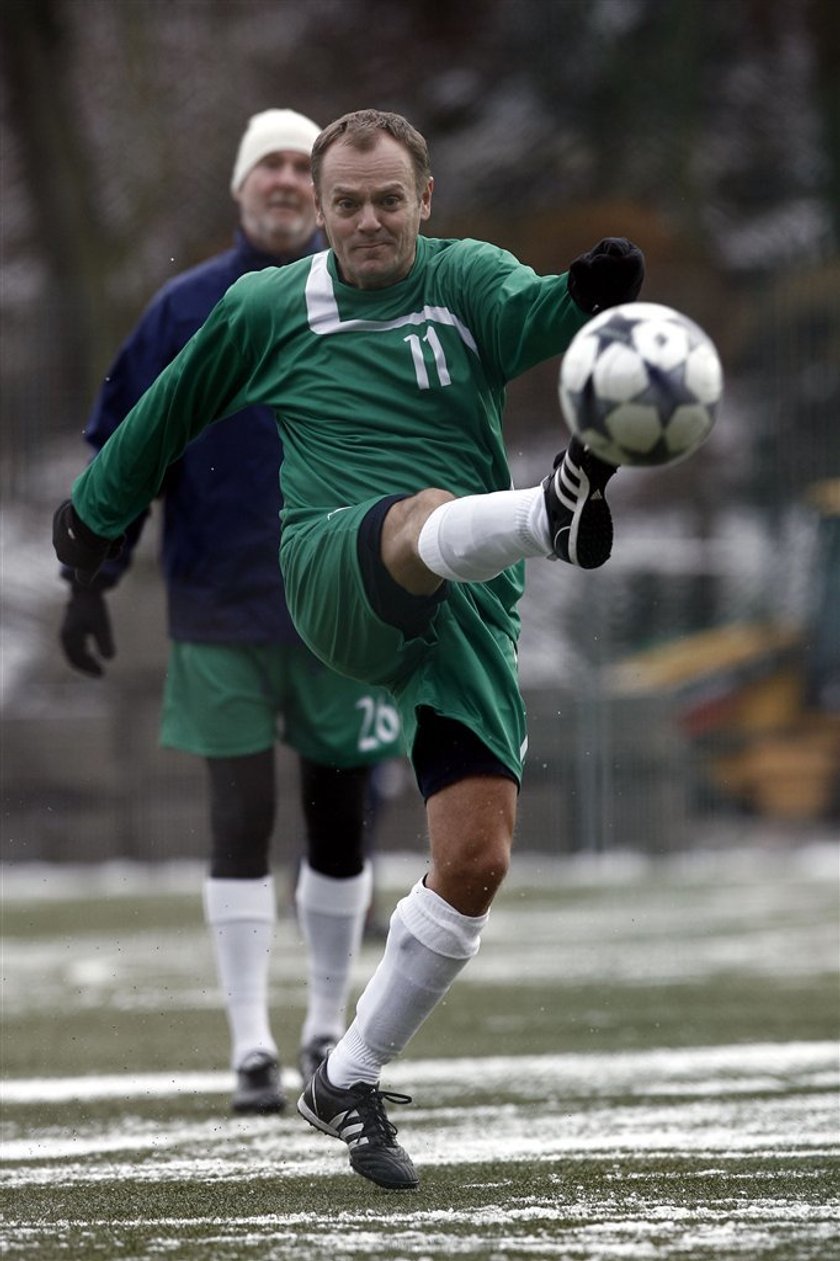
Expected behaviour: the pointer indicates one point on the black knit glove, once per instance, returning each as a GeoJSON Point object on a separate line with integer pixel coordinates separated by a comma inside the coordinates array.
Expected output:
{"type": "Point", "coordinates": [86, 618]}
{"type": "Point", "coordinates": [610, 273]}
{"type": "Point", "coordinates": [78, 547]}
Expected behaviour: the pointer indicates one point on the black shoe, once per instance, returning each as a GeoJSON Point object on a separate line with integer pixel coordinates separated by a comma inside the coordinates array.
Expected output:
{"type": "Point", "coordinates": [258, 1087]}
{"type": "Point", "coordinates": [311, 1055]}
{"type": "Point", "coordinates": [357, 1117]}
{"type": "Point", "coordinates": [578, 516]}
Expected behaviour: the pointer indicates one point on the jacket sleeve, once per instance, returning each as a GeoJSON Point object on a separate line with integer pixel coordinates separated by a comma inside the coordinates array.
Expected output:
{"type": "Point", "coordinates": [206, 381]}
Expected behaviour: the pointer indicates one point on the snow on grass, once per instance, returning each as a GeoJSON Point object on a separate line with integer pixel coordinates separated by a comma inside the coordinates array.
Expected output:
{"type": "Point", "coordinates": [715, 1153]}
{"type": "Point", "coordinates": [662, 1071]}
{"type": "Point", "coordinates": [770, 1098]}
{"type": "Point", "coordinates": [641, 925]}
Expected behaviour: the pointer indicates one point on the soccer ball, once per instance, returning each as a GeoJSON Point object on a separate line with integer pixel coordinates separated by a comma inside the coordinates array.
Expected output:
{"type": "Point", "coordinates": [640, 384]}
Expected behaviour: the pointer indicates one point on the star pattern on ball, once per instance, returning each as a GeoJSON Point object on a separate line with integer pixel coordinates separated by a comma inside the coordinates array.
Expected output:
{"type": "Point", "coordinates": [640, 384]}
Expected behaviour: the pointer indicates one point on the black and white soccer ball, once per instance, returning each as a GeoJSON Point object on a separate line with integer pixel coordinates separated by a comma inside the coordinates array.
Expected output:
{"type": "Point", "coordinates": [640, 384]}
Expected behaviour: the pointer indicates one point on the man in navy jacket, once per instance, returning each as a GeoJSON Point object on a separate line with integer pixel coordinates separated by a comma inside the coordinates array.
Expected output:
{"type": "Point", "coordinates": [239, 676]}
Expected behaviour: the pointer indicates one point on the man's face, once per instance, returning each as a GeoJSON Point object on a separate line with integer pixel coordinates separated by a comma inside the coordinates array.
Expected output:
{"type": "Point", "coordinates": [276, 203]}
{"type": "Point", "coordinates": [371, 209]}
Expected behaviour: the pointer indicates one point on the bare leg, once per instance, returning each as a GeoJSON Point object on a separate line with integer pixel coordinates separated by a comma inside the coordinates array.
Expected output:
{"type": "Point", "coordinates": [400, 532]}
{"type": "Point", "coordinates": [435, 930]}
{"type": "Point", "coordinates": [471, 833]}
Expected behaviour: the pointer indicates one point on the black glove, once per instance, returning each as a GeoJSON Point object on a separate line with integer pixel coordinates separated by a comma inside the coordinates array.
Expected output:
{"type": "Point", "coordinates": [610, 273]}
{"type": "Point", "coordinates": [78, 547]}
{"type": "Point", "coordinates": [86, 616]}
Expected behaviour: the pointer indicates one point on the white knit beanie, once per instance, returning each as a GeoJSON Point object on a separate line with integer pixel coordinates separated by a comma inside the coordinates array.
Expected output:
{"type": "Point", "coordinates": [268, 132]}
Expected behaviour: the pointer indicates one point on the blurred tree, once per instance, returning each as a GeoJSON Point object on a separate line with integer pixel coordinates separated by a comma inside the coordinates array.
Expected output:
{"type": "Point", "coordinates": [62, 194]}
{"type": "Point", "coordinates": [709, 131]}
{"type": "Point", "coordinates": [823, 18]}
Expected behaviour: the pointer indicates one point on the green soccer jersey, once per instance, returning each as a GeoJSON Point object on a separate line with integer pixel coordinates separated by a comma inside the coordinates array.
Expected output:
{"type": "Point", "coordinates": [376, 392]}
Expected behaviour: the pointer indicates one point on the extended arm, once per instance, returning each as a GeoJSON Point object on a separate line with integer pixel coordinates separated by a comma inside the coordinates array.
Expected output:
{"type": "Point", "coordinates": [209, 379]}
{"type": "Point", "coordinates": [85, 632]}
{"type": "Point", "coordinates": [523, 318]}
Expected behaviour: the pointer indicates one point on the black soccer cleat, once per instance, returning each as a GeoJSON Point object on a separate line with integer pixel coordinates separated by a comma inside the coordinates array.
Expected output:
{"type": "Point", "coordinates": [258, 1088]}
{"type": "Point", "coordinates": [578, 516]}
{"type": "Point", "coordinates": [357, 1116]}
{"type": "Point", "coordinates": [311, 1055]}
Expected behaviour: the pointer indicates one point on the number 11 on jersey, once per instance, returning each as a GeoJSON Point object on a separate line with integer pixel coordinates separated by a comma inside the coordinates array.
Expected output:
{"type": "Point", "coordinates": [416, 345]}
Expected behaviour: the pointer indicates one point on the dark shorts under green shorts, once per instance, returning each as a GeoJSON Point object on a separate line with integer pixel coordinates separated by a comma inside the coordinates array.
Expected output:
{"type": "Point", "coordinates": [463, 666]}
{"type": "Point", "coordinates": [222, 701]}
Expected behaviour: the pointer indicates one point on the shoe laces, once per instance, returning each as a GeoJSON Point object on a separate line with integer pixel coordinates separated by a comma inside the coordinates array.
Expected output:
{"type": "Point", "coordinates": [370, 1105]}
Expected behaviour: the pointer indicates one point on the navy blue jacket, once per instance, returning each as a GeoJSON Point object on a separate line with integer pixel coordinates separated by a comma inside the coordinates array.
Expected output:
{"type": "Point", "coordinates": [221, 500]}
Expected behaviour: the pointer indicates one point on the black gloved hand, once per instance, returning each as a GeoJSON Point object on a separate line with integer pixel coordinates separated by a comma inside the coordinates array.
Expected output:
{"type": "Point", "coordinates": [86, 617]}
{"type": "Point", "coordinates": [78, 547]}
{"type": "Point", "coordinates": [610, 273]}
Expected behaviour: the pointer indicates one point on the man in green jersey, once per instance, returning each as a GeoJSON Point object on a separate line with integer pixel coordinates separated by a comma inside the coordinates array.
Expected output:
{"type": "Point", "coordinates": [385, 359]}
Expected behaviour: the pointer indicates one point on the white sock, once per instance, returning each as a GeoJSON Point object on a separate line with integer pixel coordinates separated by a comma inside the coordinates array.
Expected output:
{"type": "Point", "coordinates": [331, 914]}
{"type": "Point", "coordinates": [428, 944]}
{"type": "Point", "coordinates": [240, 915]}
{"type": "Point", "coordinates": [474, 538]}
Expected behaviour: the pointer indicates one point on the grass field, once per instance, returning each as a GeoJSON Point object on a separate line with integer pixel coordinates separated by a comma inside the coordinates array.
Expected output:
{"type": "Point", "coordinates": [640, 1064]}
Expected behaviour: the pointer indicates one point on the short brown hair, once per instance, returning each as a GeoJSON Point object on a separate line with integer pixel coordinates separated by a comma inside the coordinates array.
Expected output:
{"type": "Point", "coordinates": [361, 129]}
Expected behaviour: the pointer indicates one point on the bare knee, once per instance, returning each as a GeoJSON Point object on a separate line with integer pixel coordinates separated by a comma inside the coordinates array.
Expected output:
{"type": "Point", "coordinates": [475, 868]}
{"type": "Point", "coordinates": [471, 832]}
{"type": "Point", "coordinates": [400, 531]}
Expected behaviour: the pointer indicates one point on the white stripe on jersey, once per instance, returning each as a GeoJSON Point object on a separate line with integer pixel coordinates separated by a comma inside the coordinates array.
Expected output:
{"type": "Point", "coordinates": [323, 316]}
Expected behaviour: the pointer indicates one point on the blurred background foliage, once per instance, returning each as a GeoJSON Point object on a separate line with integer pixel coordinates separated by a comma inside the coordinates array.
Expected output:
{"type": "Point", "coordinates": [706, 130]}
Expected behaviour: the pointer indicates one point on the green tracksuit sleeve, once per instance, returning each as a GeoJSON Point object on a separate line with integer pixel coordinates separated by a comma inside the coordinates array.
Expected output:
{"type": "Point", "coordinates": [205, 382]}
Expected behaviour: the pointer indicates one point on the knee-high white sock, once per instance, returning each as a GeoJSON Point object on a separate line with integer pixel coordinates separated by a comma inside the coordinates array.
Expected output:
{"type": "Point", "coordinates": [240, 915]}
{"type": "Point", "coordinates": [428, 944]}
{"type": "Point", "coordinates": [331, 914]}
{"type": "Point", "coordinates": [474, 538]}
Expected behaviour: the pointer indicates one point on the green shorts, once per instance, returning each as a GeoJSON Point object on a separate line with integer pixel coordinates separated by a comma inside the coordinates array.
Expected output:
{"type": "Point", "coordinates": [463, 665]}
{"type": "Point", "coordinates": [228, 701]}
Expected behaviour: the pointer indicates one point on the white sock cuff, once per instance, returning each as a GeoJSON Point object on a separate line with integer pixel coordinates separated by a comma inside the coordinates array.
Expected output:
{"type": "Point", "coordinates": [438, 926]}
{"type": "Point", "coordinates": [532, 521]}
{"type": "Point", "coordinates": [473, 538]}
{"type": "Point", "coordinates": [229, 900]}
{"type": "Point", "coordinates": [328, 895]}
{"type": "Point", "coordinates": [428, 544]}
